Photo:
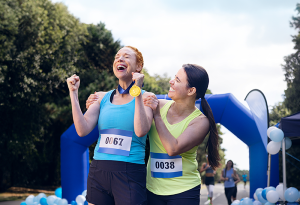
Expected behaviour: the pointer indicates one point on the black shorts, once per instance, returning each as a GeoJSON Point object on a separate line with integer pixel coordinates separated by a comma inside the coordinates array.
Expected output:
{"type": "Point", "coordinates": [113, 182]}
{"type": "Point", "coordinates": [209, 181]}
{"type": "Point", "coordinates": [191, 197]}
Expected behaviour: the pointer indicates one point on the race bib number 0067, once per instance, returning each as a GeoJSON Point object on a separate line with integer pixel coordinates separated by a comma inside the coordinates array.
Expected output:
{"type": "Point", "coordinates": [115, 141]}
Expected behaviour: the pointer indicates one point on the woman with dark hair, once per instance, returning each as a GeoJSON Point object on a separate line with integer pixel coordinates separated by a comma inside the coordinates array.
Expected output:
{"type": "Point", "coordinates": [178, 128]}
{"type": "Point", "coordinates": [117, 173]}
{"type": "Point", "coordinates": [228, 176]}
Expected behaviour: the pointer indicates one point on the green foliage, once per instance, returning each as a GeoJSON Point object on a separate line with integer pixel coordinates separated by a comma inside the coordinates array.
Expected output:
{"type": "Point", "coordinates": [156, 84]}
{"type": "Point", "coordinates": [278, 111]}
{"type": "Point", "coordinates": [292, 70]}
{"type": "Point", "coordinates": [41, 44]}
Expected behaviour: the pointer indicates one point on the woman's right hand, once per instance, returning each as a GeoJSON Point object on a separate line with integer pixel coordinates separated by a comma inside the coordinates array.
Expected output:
{"type": "Point", "coordinates": [73, 83]}
{"type": "Point", "coordinates": [152, 102]}
{"type": "Point", "coordinates": [92, 98]}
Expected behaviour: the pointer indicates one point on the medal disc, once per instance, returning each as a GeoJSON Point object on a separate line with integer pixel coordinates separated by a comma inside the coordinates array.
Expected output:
{"type": "Point", "coordinates": [135, 91]}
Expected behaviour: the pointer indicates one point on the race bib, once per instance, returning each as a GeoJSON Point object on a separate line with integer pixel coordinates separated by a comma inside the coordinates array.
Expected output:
{"type": "Point", "coordinates": [164, 166]}
{"type": "Point", "coordinates": [115, 141]}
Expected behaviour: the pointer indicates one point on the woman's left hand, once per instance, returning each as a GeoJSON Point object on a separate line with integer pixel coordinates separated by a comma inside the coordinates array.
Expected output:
{"type": "Point", "coordinates": [138, 78]}
{"type": "Point", "coordinates": [152, 102]}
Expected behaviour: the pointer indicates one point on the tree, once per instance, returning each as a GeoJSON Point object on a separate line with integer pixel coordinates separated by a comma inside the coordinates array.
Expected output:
{"type": "Point", "coordinates": [277, 112]}
{"type": "Point", "coordinates": [291, 103]}
{"type": "Point", "coordinates": [40, 43]}
{"type": "Point", "coordinates": [292, 70]}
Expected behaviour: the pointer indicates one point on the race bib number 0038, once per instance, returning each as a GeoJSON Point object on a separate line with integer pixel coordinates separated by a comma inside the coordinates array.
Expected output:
{"type": "Point", "coordinates": [115, 141]}
{"type": "Point", "coordinates": [164, 166]}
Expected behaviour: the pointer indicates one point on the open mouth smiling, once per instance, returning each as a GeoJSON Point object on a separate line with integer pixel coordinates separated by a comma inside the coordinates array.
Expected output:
{"type": "Point", "coordinates": [121, 67]}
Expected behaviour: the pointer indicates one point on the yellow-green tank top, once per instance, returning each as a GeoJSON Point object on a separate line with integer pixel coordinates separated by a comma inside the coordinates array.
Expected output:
{"type": "Point", "coordinates": [190, 176]}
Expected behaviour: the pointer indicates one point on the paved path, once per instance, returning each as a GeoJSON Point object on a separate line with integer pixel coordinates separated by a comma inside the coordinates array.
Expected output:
{"type": "Point", "coordinates": [11, 202]}
{"type": "Point", "coordinates": [219, 196]}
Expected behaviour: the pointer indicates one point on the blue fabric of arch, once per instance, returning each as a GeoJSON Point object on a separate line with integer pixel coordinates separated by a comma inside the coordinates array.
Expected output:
{"type": "Point", "coordinates": [227, 110]}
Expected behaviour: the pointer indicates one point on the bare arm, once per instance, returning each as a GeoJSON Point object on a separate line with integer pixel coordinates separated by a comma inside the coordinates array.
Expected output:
{"type": "Point", "coordinates": [143, 116]}
{"type": "Point", "coordinates": [84, 124]}
{"type": "Point", "coordinates": [192, 136]}
{"type": "Point", "coordinates": [202, 167]}
{"type": "Point", "coordinates": [236, 176]}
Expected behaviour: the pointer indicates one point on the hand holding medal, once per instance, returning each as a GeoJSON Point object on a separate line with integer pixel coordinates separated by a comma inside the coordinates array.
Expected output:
{"type": "Point", "coordinates": [135, 90]}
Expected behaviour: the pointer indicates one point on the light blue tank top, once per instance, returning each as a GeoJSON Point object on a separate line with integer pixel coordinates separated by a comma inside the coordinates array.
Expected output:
{"type": "Point", "coordinates": [230, 182]}
{"type": "Point", "coordinates": [116, 127]}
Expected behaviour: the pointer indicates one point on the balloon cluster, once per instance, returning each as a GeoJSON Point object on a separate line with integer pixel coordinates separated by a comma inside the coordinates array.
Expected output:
{"type": "Point", "coordinates": [42, 199]}
{"type": "Point", "coordinates": [271, 195]}
{"type": "Point", "coordinates": [276, 135]}
{"type": "Point", "coordinates": [243, 201]}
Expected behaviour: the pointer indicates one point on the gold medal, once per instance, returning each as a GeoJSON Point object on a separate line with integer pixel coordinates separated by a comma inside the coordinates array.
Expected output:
{"type": "Point", "coordinates": [135, 91]}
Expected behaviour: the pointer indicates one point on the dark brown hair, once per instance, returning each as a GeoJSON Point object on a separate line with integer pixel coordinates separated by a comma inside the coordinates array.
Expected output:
{"type": "Point", "coordinates": [197, 77]}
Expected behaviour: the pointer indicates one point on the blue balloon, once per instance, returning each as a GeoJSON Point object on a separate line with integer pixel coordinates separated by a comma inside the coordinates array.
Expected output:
{"type": "Point", "coordinates": [86, 203]}
{"type": "Point", "coordinates": [266, 190]}
{"type": "Point", "coordinates": [247, 201]}
{"type": "Point", "coordinates": [261, 199]}
{"type": "Point", "coordinates": [276, 135]}
{"type": "Point", "coordinates": [269, 203]}
{"type": "Point", "coordinates": [58, 192]}
{"type": "Point", "coordinates": [291, 194]}
{"type": "Point", "coordinates": [73, 203]}
{"type": "Point", "coordinates": [23, 203]}
{"type": "Point", "coordinates": [259, 190]}
{"type": "Point", "coordinates": [264, 194]}
{"type": "Point", "coordinates": [43, 201]}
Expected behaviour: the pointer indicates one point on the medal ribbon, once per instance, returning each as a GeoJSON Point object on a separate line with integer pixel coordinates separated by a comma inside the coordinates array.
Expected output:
{"type": "Point", "coordinates": [122, 91]}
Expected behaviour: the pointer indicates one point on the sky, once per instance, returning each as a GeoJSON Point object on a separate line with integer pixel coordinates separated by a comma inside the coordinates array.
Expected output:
{"type": "Point", "coordinates": [241, 44]}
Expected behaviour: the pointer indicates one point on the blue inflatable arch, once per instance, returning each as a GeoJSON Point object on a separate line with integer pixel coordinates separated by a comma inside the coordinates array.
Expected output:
{"type": "Point", "coordinates": [227, 110]}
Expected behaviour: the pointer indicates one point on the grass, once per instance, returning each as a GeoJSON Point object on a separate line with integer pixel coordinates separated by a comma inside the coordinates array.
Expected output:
{"type": "Point", "coordinates": [21, 193]}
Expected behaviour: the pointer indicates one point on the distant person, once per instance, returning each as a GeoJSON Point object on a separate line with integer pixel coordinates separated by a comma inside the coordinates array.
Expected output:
{"type": "Point", "coordinates": [244, 179]}
{"type": "Point", "coordinates": [209, 179]}
{"type": "Point", "coordinates": [228, 176]}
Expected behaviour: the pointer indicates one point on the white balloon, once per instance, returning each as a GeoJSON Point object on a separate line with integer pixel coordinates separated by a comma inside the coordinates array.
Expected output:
{"type": "Point", "coordinates": [270, 129]}
{"type": "Point", "coordinates": [257, 203]}
{"type": "Point", "coordinates": [29, 200]}
{"type": "Point", "coordinates": [84, 193]}
{"type": "Point", "coordinates": [272, 196]}
{"type": "Point", "coordinates": [63, 202]}
{"type": "Point", "coordinates": [51, 199]}
{"type": "Point", "coordinates": [80, 199]}
{"type": "Point", "coordinates": [279, 190]}
{"type": "Point", "coordinates": [255, 197]}
{"type": "Point", "coordinates": [273, 147]}
{"type": "Point", "coordinates": [41, 195]}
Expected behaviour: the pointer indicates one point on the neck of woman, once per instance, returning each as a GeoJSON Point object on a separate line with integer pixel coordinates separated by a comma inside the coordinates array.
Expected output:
{"type": "Point", "coordinates": [124, 84]}
{"type": "Point", "coordinates": [183, 107]}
